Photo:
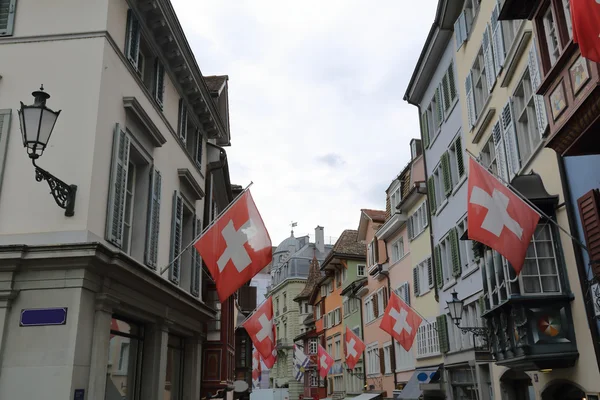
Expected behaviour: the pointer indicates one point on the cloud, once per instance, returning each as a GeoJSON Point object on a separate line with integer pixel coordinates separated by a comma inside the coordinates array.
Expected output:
{"type": "Point", "coordinates": [316, 110]}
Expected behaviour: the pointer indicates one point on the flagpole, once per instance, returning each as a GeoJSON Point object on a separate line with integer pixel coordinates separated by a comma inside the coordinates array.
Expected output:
{"type": "Point", "coordinates": [166, 267]}
{"type": "Point", "coordinates": [529, 202]}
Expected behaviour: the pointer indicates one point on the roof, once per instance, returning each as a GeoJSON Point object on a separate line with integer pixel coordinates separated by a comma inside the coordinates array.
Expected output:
{"type": "Point", "coordinates": [348, 244]}
{"type": "Point", "coordinates": [215, 82]}
{"type": "Point", "coordinates": [314, 276]}
{"type": "Point", "coordinates": [375, 215]}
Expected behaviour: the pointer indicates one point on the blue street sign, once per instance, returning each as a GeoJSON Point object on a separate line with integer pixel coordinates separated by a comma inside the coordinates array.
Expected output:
{"type": "Point", "coordinates": [79, 394]}
{"type": "Point", "coordinates": [43, 316]}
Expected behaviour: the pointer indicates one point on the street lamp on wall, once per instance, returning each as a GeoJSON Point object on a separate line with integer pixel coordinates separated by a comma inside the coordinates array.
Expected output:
{"type": "Point", "coordinates": [455, 307]}
{"type": "Point", "coordinates": [37, 123]}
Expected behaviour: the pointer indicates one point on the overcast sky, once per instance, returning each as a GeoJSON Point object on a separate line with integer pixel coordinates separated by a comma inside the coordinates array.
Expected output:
{"type": "Point", "coordinates": [317, 116]}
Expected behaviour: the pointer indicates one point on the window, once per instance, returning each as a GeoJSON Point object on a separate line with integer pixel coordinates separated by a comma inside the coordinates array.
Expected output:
{"type": "Point", "coordinates": [551, 35]}
{"type": "Point", "coordinates": [448, 89]}
{"type": "Point", "coordinates": [318, 314]}
{"type": "Point", "coordinates": [314, 379]}
{"type": "Point", "coordinates": [369, 313]}
{"type": "Point", "coordinates": [417, 221]}
{"type": "Point", "coordinates": [360, 270]}
{"type": "Point", "coordinates": [403, 292]}
{"type": "Point", "coordinates": [479, 91]}
{"type": "Point", "coordinates": [457, 339]}
{"type": "Point", "coordinates": [125, 346]}
{"type": "Point", "coordinates": [447, 258]}
{"type": "Point", "coordinates": [307, 308]}
{"type": "Point", "coordinates": [487, 157]}
{"type": "Point", "coordinates": [464, 385]}
{"type": "Point", "coordinates": [7, 17]}
{"type": "Point", "coordinates": [324, 290]}
{"type": "Point", "coordinates": [174, 371]}
{"type": "Point", "coordinates": [404, 359]}
{"type": "Point", "coordinates": [284, 301]}
{"type": "Point", "coordinates": [467, 256]}
{"type": "Point", "coordinates": [354, 380]}
{"type": "Point", "coordinates": [437, 193]}
{"type": "Point", "coordinates": [371, 253]}
{"type": "Point", "coordinates": [456, 162]}
{"type": "Point", "coordinates": [338, 383]}
{"type": "Point", "coordinates": [540, 272]}
{"type": "Point", "coordinates": [330, 286]}
{"type": "Point", "coordinates": [330, 349]}
{"type": "Point", "coordinates": [185, 227]}
{"type": "Point", "coordinates": [395, 199]}
{"type": "Point", "coordinates": [423, 277]}
{"type": "Point", "coordinates": [312, 346]}
{"type": "Point", "coordinates": [373, 359]}
{"type": "Point", "coordinates": [337, 349]}
{"type": "Point", "coordinates": [387, 354]}
{"type": "Point", "coordinates": [428, 340]}
{"type": "Point", "coordinates": [397, 250]}
{"type": "Point", "coordinates": [566, 7]}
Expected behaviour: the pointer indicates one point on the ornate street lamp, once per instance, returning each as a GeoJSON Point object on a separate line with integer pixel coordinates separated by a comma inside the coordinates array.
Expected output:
{"type": "Point", "coordinates": [37, 122]}
{"type": "Point", "coordinates": [455, 307]}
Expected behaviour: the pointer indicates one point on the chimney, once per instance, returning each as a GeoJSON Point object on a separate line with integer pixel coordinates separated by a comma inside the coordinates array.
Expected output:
{"type": "Point", "coordinates": [320, 239]}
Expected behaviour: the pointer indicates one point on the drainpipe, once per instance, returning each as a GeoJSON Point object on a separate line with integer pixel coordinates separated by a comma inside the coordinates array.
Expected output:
{"type": "Point", "coordinates": [363, 331]}
{"type": "Point", "coordinates": [393, 363]}
{"type": "Point", "coordinates": [581, 268]}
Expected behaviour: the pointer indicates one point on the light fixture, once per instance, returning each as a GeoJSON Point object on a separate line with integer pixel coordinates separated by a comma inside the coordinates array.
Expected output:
{"type": "Point", "coordinates": [456, 308]}
{"type": "Point", "coordinates": [37, 123]}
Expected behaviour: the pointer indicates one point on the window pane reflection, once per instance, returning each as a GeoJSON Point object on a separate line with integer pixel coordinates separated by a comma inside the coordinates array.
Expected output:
{"type": "Point", "coordinates": [124, 361]}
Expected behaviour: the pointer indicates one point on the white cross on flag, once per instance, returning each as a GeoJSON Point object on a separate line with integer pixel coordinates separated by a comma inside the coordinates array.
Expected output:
{"type": "Point", "coordinates": [236, 247]}
{"type": "Point", "coordinates": [499, 218]}
{"type": "Point", "coordinates": [324, 360]}
{"type": "Point", "coordinates": [400, 321]}
{"type": "Point", "coordinates": [261, 330]}
{"type": "Point", "coordinates": [354, 348]}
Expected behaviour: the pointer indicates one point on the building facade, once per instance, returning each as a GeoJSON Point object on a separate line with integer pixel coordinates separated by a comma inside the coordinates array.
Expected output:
{"type": "Point", "coordinates": [145, 151]}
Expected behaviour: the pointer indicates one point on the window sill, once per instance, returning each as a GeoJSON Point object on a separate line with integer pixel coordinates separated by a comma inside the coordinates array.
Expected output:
{"type": "Point", "coordinates": [439, 210]}
{"type": "Point", "coordinates": [429, 355]}
{"type": "Point", "coordinates": [459, 184]}
{"type": "Point", "coordinates": [470, 270]}
{"type": "Point", "coordinates": [419, 234]}
{"type": "Point", "coordinates": [449, 285]}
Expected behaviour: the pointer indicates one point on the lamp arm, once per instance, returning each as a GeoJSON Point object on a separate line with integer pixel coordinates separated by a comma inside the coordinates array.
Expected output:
{"type": "Point", "coordinates": [63, 193]}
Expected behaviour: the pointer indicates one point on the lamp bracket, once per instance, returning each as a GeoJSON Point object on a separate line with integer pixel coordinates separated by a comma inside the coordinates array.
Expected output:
{"type": "Point", "coordinates": [64, 194]}
{"type": "Point", "coordinates": [477, 331]}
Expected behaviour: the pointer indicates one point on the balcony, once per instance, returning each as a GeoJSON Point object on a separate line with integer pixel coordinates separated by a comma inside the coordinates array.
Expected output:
{"type": "Point", "coordinates": [247, 298]}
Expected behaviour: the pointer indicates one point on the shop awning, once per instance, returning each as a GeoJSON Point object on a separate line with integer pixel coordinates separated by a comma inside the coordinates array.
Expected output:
{"type": "Point", "coordinates": [412, 390]}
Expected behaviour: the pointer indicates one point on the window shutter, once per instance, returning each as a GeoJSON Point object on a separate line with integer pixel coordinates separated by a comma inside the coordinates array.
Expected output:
{"type": "Point", "coordinates": [159, 82]}
{"type": "Point", "coordinates": [498, 40]}
{"type": "Point", "coordinates": [455, 251]}
{"type": "Point", "coordinates": [589, 212]}
{"type": "Point", "coordinates": [488, 59]}
{"type": "Point", "coordinates": [471, 113]}
{"type": "Point", "coordinates": [153, 221]}
{"type": "Point", "coordinates": [509, 135]}
{"type": "Point", "coordinates": [118, 187]}
{"type": "Point", "coordinates": [199, 148]}
{"type": "Point", "coordinates": [438, 106]}
{"type": "Point", "coordinates": [460, 29]}
{"type": "Point", "coordinates": [439, 274]}
{"type": "Point", "coordinates": [459, 157]}
{"type": "Point", "coordinates": [536, 80]}
{"type": "Point", "coordinates": [410, 227]}
{"type": "Point", "coordinates": [425, 129]}
{"type": "Point", "coordinates": [446, 173]}
{"type": "Point", "coordinates": [500, 151]}
{"type": "Point", "coordinates": [430, 272]}
{"type": "Point", "coordinates": [176, 228]}
{"type": "Point", "coordinates": [375, 305]}
{"type": "Point", "coordinates": [384, 293]}
{"type": "Point", "coordinates": [451, 82]}
{"type": "Point", "coordinates": [381, 360]}
{"type": "Point", "coordinates": [442, 330]}
{"type": "Point", "coordinates": [416, 285]}
{"type": "Point", "coordinates": [446, 92]}
{"type": "Point", "coordinates": [197, 261]}
{"type": "Point", "coordinates": [183, 116]}
{"type": "Point", "coordinates": [7, 17]}
{"type": "Point", "coordinates": [406, 293]}
{"type": "Point", "coordinates": [431, 194]}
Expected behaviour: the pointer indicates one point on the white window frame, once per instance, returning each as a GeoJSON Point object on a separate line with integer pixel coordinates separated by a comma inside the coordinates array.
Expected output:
{"type": "Point", "coordinates": [361, 270]}
{"type": "Point", "coordinates": [371, 253]}
{"type": "Point", "coordinates": [552, 35]}
{"type": "Point", "coordinates": [397, 250]}
{"type": "Point", "coordinates": [534, 248]}
{"type": "Point", "coordinates": [373, 366]}
{"type": "Point", "coordinates": [369, 310]}
{"type": "Point", "coordinates": [387, 357]}
{"type": "Point", "coordinates": [405, 360]}
{"type": "Point", "coordinates": [428, 344]}
{"type": "Point", "coordinates": [395, 199]}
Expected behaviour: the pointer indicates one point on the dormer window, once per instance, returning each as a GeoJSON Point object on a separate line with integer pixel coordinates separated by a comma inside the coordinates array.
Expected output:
{"type": "Point", "coordinates": [395, 199]}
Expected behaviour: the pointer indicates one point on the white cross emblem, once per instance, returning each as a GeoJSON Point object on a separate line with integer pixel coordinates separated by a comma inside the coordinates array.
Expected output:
{"type": "Point", "coordinates": [400, 318]}
{"type": "Point", "coordinates": [324, 361]}
{"type": "Point", "coordinates": [235, 250]}
{"type": "Point", "coordinates": [497, 217]}
{"type": "Point", "coordinates": [350, 347]}
{"type": "Point", "coordinates": [266, 329]}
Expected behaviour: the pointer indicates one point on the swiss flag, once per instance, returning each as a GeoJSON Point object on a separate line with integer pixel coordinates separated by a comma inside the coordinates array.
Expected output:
{"type": "Point", "coordinates": [499, 218]}
{"type": "Point", "coordinates": [585, 17]}
{"type": "Point", "coordinates": [261, 330]}
{"type": "Point", "coordinates": [354, 348]}
{"type": "Point", "coordinates": [400, 321]}
{"type": "Point", "coordinates": [325, 361]}
{"type": "Point", "coordinates": [255, 369]}
{"type": "Point", "coordinates": [236, 247]}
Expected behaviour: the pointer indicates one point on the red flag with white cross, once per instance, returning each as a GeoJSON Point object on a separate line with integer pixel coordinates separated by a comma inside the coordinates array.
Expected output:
{"type": "Point", "coordinates": [354, 348]}
{"type": "Point", "coordinates": [236, 247]}
{"type": "Point", "coordinates": [497, 217]}
{"type": "Point", "coordinates": [261, 330]}
{"type": "Point", "coordinates": [256, 369]}
{"type": "Point", "coordinates": [325, 361]}
{"type": "Point", "coordinates": [585, 18]}
{"type": "Point", "coordinates": [400, 321]}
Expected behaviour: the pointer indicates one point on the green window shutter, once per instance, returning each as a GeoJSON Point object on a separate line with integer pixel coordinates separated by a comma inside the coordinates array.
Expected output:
{"type": "Point", "coordinates": [438, 106]}
{"type": "Point", "coordinates": [456, 269]}
{"type": "Point", "coordinates": [183, 120]}
{"type": "Point", "coordinates": [431, 194]}
{"type": "Point", "coordinates": [442, 330]}
{"type": "Point", "coordinates": [459, 157]}
{"type": "Point", "coordinates": [133, 39]}
{"type": "Point", "coordinates": [159, 82]}
{"type": "Point", "coordinates": [7, 17]}
{"type": "Point", "coordinates": [118, 187]}
{"type": "Point", "coordinates": [196, 261]}
{"type": "Point", "coordinates": [198, 148]}
{"type": "Point", "coordinates": [425, 130]}
{"type": "Point", "coordinates": [153, 222]}
{"type": "Point", "coordinates": [176, 231]}
{"type": "Point", "coordinates": [439, 274]}
{"type": "Point", "coordinates": [451, 82]}
{"type": "Point", "coordinates": [446, 92]}
{"type": "Point", "coordinates": [416, 281]}
{"type": "Point", "coordinates": [429, 273]}
{"type": "Point", "coordinates": [446, 174]}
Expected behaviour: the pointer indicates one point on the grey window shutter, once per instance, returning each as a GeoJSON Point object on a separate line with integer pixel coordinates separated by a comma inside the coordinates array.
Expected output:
{"type": "Point", "coordinates": [460, 29]}
{"type": "Point", "coordinates": [118, 187]}
{"type": "Point", "coordinates": [488, 59]}
{"type": "Point", "coordinates": [459, 157]}
{"type": "Point", "coordinates": [442, 330]}
{"type": "Point", "coordinates": [431, 194]}
{"type": "Point", "coordinates": [498, 40]}
{"type": "Point", "coordinates": [153, 225]}
{"type": "Point", "coordinates": [416, 280]}
{"type": "Point", "coordinates": [176, 231]}
{"type": "Point", "coordinates": [199, 148]}
{"type": "Point", "coordinates": [509, 135]}
{"type": "Point", "coordinates": [455, 252]}
{"type": "Point", "coordinates": [439, 106]}
{"type": "Point", "coordinates": [159, 82]}
{"type": "Point", "coordinates": [183, 124]}
{"type": "Point", "coordinates": [471, 112]}
{"type": "Point", "coordinates": [133, 39]}
{"type": "Point", "coordinates": [536, 80]}
{"type": "Point", "coordinates": [446, 174]}
{"type": "Point", "coordinates": [429, 273]}
{"type": "Point", "coordinates": [439, 273]}
{"type": "Point", "coordinates": [7, 17]}
{"type": "Point", "coordinates": [5, 117]}
{"type": "Point", "coordinates": [500, 151]}
{"type": "Point", "coordinates": [196, 261]}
